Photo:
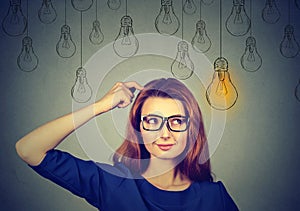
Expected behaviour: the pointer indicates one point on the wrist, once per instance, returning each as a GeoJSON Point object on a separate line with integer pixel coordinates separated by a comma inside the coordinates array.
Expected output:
{"type": "Point", "coordinates": [99, 108]}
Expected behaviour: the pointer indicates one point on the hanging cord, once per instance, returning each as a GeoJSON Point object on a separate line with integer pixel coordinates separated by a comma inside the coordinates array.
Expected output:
{"type": "Point", "coordinates": [96, 9]}
{"type": "Point", "coordinates": [221, 28]}
{"type": "Point", "coordinates": [200, 9]}
{"type": "Point", "coordinates": [251, 18]}
{"type": "Point", "coordinates": [126, 7]}
{"type": "Point", "coordinates": [289, 12]}
{"type": "Point", "coordinates": [27, 18]}
{"type": "Point", "coordinates": [81, 39]}
{"type": "Point", "coordinates": [182, 3]}
{"type": "Point", "coordinates": [65, 12]}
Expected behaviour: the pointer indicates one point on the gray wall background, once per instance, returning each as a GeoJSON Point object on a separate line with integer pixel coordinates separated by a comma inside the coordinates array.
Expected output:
{"type": "Point", "coordinates": [258, 156]}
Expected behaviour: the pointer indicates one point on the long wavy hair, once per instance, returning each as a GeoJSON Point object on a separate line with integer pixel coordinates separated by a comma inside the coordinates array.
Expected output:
{"type": "Point", "coordinates": [132, 152]}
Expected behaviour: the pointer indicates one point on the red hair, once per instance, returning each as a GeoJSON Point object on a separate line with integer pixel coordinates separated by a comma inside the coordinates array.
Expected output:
{"type": "Point", "coordinates": [133, 154]}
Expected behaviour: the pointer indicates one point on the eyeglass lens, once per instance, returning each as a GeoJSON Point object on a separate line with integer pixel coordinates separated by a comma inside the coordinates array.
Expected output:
{"type": "Point", "coordinates": [155, 122]}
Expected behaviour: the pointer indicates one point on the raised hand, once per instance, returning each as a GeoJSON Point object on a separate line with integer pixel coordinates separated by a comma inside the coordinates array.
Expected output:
{"type": "Point", "coordinates": [120, 95]}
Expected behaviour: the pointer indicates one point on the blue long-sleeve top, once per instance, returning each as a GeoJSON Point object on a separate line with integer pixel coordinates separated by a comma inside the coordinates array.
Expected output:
{"type": "Point", "coordinates": [111, 188]}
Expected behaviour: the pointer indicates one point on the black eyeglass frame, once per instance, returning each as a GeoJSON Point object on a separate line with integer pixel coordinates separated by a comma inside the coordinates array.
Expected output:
{"type": "Point", "coordinates": [165, 119]}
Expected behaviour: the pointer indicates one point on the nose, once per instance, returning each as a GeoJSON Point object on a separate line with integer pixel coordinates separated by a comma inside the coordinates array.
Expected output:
{"type": "Point", "coordinates": [165, 132]}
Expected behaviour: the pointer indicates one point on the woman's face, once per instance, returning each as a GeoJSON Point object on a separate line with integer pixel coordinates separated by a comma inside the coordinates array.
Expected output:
{"type": "Point", "coordinates": [163, 143]}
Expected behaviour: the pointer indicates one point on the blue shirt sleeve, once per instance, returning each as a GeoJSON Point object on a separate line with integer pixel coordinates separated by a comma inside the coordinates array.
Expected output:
{"type": "Point", "coordinates": [81, 177]}
{"type": "Point", "coordinates": [228, 203]}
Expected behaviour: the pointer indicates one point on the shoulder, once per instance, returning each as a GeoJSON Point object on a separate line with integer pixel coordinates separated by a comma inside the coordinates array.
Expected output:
{"type": "Point", "coordinates": [57, 161]}
{"type": "Point", "coordinates": [215, 193]}
{"type": "Point", "coordinates": [210, 188]}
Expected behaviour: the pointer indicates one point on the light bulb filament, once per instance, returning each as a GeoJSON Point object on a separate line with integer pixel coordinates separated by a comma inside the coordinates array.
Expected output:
{"type": "Point", "coordinates": [66, 43]}
{"type": "Point", "coordinates": [81, 89]}
{"type": "Point", "coordinates": [126, 39]}
{"type": "Point", "coordinates": [167, 18]}
{"type": "Point", "coordinates": [47, 10]}
{"type": "Point", "coordinates": [201, 37]}
{"type": "Point", "coordinates": [14, 18]}
{"type": "Point", "coordinates": [182, 62]}
{"type": "Point", "coordinates": [221, 89]}
{"type": "Point", "coordinates": [97, 33]}
{"type": "Point", "coordinates": [27, 57]}
{"type": "Point", "coordinates": [238, 18]}
{"type": "Point", "coordinates": [251, 57]}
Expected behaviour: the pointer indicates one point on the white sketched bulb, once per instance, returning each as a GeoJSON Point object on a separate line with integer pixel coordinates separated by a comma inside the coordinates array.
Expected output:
{"type": "Point", "coordinates": [27, 59]}
{"type": "Point", "coordinates": [251, 61]}
{"type": "Point", "coordinates": [189, 7]}
{"type": "Point", "coordinates": [96, 36]}
{"type": "Point", "coordinates": [82, 5]}
{"type": "Point", "coordinates": [182, 67]}
{"type": "Point", "coordinates": [47, 13]}
{"type": "Point", "coordinates": [114, 4]}
{"type": "Point", "coordinates": [289, 47]}
{"type": "Point", "coordinates": [81, 91]}
{"type": "Point", "coordinates": [238, 22]}
{"type": "Point", "coordinates": [201, 42]}
{"type": "Point", "coordinates": [221, 94]}
{"type": "Point", "coordinates": [126, 43]}
{"type": "Point", "coordinates": [65, 47]}
{"type": "Point", "coordinates": [167, 22]}
{"type": "Point", "coordinates": [14, 23]}
{"type": "Point", "coordinates": [270, 13]}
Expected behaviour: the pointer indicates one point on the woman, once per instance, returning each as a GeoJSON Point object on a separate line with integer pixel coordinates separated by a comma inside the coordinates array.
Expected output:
{"type": "Point", "coordinates": [163, 164]}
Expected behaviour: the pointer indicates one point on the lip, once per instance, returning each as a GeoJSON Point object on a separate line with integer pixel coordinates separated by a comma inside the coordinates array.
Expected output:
{"type": "Point", "coordinates": [165, 147]}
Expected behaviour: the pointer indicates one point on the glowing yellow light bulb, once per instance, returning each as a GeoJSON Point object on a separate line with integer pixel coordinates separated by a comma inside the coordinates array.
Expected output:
{"type": "Point", "coordinates": [221, 94]}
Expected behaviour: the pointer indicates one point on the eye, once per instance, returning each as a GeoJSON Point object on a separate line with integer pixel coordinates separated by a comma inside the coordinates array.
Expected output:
{"type": "Point", "coordinates": [178, 121]}
{"type": "Point", "coordinates": [152, 120]}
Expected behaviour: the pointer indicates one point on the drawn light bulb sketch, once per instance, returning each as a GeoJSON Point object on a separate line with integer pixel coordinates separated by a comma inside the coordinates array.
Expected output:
{"type": "Point", "coordinates": [289, 47]}
{"type": "Point", "coordinates": [221, 94]}
{"type": "Point", "coordinates": [238, 22]}
{"type": "Point", "coordinates": [96, 36]}
{"type": "Point", "coordinates": [82, 5]}
{"type": "Point", "coordinates": [47, 14]}
{"type": "Point", "coordinates": [297, 91]}
{"type": "Point", "coordinates": [14, 23]}
{"type": "Point", "coordinates": [65, 47]}
{"type": "Point", "coordinates": [270, 13]}
{"type": "Point", "coordinates": [201, 42]}
{"type": "Point", "coordinates": [167, 22]}
{"type": "Point", "coordinates": [207, 2]}
{"type": "Point", "coordinates": [189, 7]}
{"type": "Point", "coordinates": [114, 4]}
{"type": "Point", "coordinates": [126, 43]}
{"type": "Point", "coordinates": [251, 61]}
{"type": "Point", "coordinates": [81, 91]}
{"type": "Point", "coordinates": [182, 67]}
{"type": "Point", "coordinates": [27, 59]}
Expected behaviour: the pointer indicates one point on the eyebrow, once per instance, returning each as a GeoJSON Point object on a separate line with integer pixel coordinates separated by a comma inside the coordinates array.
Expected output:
{"type": "Point", "coordinates": [163, 116]}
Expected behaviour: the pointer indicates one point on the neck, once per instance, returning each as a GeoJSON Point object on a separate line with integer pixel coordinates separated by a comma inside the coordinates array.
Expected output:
{"type": "Point", "coordinates": [161, 173]}
{"type": "Point", "coordinates": [159, 167]}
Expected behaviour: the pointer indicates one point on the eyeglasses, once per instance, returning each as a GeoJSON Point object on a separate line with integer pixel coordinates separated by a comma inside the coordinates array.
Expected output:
{"type": "Point", "coordinates": [175, 123]}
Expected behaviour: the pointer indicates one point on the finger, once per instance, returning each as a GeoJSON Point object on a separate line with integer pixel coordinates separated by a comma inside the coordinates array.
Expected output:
{"type": "Point", "coordinates": [133, 84]}
{"type": "Point", "coordinates": [120, 86]}
{"type": "Point", "coordinates": [125, 102]}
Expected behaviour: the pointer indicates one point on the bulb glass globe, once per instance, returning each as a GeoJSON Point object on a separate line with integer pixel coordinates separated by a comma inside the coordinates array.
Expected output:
{"type": "Point", "coordinates": [238, 22]}
{"type": "Point", "coordinates": [221, 93]}
{"type": "Point", "coordinates": [14, 23]}
{"type": "Point", "coordinates": [167, 22]}
{"type": "Point", "coordinates": [27, 59]}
